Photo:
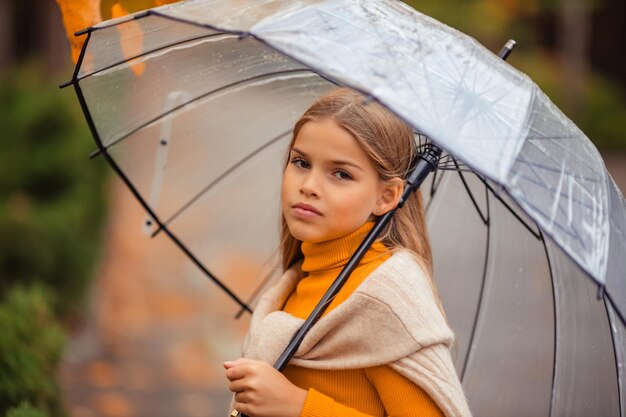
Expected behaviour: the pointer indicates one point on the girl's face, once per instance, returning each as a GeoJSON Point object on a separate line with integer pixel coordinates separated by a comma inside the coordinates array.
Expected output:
{"type": "Point", "coordinates": [330, 187]}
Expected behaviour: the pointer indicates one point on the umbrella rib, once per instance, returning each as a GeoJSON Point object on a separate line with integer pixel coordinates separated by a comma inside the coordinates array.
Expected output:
{"type": "Point", "coordinates": [434, 185]}
{"type": "Point", "coordinates": [135, 192]}
{"type": "Point", "coordinates": [449, 163]}
{"type": "Point", "coordinates": [482, 286]}
{"type": "Point", "coordinates": [81, 57]}
{"type": "Point", "coordinates": [569, 196]}
{"type": "Point", "coordinates": [312, 69]}
{"type": "Point", "coordinates": [320, 12]}
{"type": "Point", "coordinates": [452, 161]}
{"type": "Point", "coordinates": [508, 207]}
{"type": "Point", "coordinates": [407, 56]}
{"type": "Point", "coordinates": [616, 354]}
{"type": "Point", "coordinates": [574, 236]}
{"type": "Point", "coordinates": [538, 182]}
{"type": "Point", "coordinates": [221, 177]}
{"type": "Point", "coordinates": [471, 196]}
{"type": "Point", "coordinates": [497, 116]}
{"type": "Point", "coordinates": [427, 77]}
{"type": "Point", "coordinates": [566, 150]}
{"type": "Point", "coordinates": [122, 61]}
{"type": "Point", "coordinates": [557, 142]}
{"type": "Point", "coordinates": [256, 293]}
{"type": "Point", "coordinates": [540, 138]}
{"type": "Point", "coordinates": [462, 79]}
{"type": "Point", "coordinates": [619, 313]}
{"type": "Point", "coordinates": [205, 95]}
{"type": "Point", "coordinates": [388, 50]}
{"type": "Point", "coordinates": [200, 265]}
{"type": "Point", "coordinates": [479, 94]}
{"type": "Point", "coordinates": [561, 194]}
{"type": "Point", "coordinates": [393, 59]}
{"type": "Point", "coordinates": [555, 315]}
{"type": "Point", "coordinates": [551, 169]}
{"type": "Point", "coordinates": [542, 184]}
{"type": "Point", "coordinates": [452, 168]}
{"type": "Point", "coordinates": [433, 189]}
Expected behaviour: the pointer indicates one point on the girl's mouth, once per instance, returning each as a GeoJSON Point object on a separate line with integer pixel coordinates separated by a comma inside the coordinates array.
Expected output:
{"type": "Point", "coordinates": [305, 211]}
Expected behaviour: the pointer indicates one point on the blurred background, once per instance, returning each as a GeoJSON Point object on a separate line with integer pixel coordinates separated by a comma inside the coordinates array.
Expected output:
{"type": "Point", "coordinates": [97, 318]}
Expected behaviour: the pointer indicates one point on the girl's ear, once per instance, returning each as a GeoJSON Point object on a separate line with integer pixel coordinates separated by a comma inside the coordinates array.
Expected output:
{"type": "Point", "coordinates": [389, 196]}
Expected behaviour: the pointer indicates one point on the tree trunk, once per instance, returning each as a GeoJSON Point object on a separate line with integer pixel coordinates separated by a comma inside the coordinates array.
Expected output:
{"type": "Point", "coordinates": [574, 30]}
{"type": "Point", "coordinates": [6, 34]}
{"type": "Point", "coordinates": [55, 46]}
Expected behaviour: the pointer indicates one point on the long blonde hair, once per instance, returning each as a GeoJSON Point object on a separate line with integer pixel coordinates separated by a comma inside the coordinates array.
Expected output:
{"type": "Point", "coordinates": [390, 144]}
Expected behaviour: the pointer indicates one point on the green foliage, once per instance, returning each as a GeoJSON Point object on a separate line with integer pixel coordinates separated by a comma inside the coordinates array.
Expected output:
{"type": "Point", "coordinates": [31, 343]}
{"type": "Point", "coordinates": [51, 211]}
{"type": "Point", "coordinates": [25, 410]}
{"type": "Point", "coordinates": [603, 111]}
{"type": "Point", "coordinates": [492, 22]}
{"type": "Point", "coordinates": [51, 202]}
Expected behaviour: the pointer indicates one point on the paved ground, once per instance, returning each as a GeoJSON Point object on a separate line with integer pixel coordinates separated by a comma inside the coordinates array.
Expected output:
{"type": "Point", "coordinates": [155, 337]}
{"type": "Point", "coordinates": [156, 332]}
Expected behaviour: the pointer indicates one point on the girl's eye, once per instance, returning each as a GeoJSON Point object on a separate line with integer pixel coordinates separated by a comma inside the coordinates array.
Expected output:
{"type": "Point", "coordinates": [343, 175]}
{"type": "Point", "coordinates": [300, 162]}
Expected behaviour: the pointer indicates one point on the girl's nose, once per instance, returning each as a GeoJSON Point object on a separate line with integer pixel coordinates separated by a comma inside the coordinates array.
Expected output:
{"type": "Point", "coordinates": [310, 186]}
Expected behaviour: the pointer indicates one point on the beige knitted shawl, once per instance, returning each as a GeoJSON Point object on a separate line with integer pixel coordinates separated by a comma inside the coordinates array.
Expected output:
{"type": "Point", "coordinates": [391, 318]}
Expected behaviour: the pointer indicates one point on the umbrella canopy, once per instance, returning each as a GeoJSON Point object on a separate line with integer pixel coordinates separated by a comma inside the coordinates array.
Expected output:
{"type": "Point", "coordinates": [193, 105]}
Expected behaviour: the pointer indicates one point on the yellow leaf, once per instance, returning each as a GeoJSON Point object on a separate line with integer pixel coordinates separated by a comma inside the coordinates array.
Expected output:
{"type": "Point", "coordinates": [132, 41]}
{"type": "Point", "coordinates": [78, 15]}
{"type": "Point", "coordinates": [164, 2]}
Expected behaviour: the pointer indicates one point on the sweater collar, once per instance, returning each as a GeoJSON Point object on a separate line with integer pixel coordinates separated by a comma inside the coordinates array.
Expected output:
{"type": "Point", "coordinates": [336, 253]}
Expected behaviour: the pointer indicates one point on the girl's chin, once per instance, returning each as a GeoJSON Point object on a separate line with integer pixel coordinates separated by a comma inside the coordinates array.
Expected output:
{"type": "Point", "coordinates": [306, 232]}
{"type": "Point", "coordinates": [305, 236]}
{"type": "Point", "coordinates": [313, 234]}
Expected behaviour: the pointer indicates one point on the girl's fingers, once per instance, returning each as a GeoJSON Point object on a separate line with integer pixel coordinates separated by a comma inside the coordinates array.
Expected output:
{"type": "Point", "coordinates": [230, 364]}
{"type": "Point", "coordinates": [242, 397]}
{"type": "Point", "coordinates": [237, 372]}
{"type": "Point", "coordinates": [240, 361]}
{"type": "Point", "coordinates": [241, 368]}
{"type": "Point", "coordinates": [238, 385]}
{"type": "Point", "coordinates": [234, 374]}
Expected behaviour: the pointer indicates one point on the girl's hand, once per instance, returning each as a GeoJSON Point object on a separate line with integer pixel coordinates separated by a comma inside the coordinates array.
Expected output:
{"type": "Point", "coordinates": [262, 391]}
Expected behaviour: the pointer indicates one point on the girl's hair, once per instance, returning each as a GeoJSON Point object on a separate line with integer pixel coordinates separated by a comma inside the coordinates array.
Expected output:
{"type": "Point", "coordinates": [390, 145]}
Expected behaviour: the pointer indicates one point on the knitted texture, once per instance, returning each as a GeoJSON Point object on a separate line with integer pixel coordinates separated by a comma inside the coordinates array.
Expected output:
{"type": "Point", "coordinates": [323, 263]}
{"type": "Point", "coordinates": [392, 318]}
{"type": "Point", "coordinates": [369, 392]}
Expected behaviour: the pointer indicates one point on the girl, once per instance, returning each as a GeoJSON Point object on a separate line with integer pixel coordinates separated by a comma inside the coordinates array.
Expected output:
{"type": "Point", "coordinates": [382, 346]}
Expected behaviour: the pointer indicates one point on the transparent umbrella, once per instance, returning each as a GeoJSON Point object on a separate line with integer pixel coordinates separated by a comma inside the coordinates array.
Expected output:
{"type": "Point", "coordinates": [192, 104]}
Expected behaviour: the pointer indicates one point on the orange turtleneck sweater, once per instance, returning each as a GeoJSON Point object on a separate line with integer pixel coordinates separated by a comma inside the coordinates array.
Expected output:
{"type": "Point", "coordinates": [376, 391]}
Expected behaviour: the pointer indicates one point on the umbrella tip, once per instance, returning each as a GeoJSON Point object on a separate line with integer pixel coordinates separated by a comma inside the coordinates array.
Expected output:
{"type": "Point", "coordinates": [506, 50]}
{"type": "Point", "coordinates": [95, 153]}
{"type": "Point", "coordinates": [66, 84]}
